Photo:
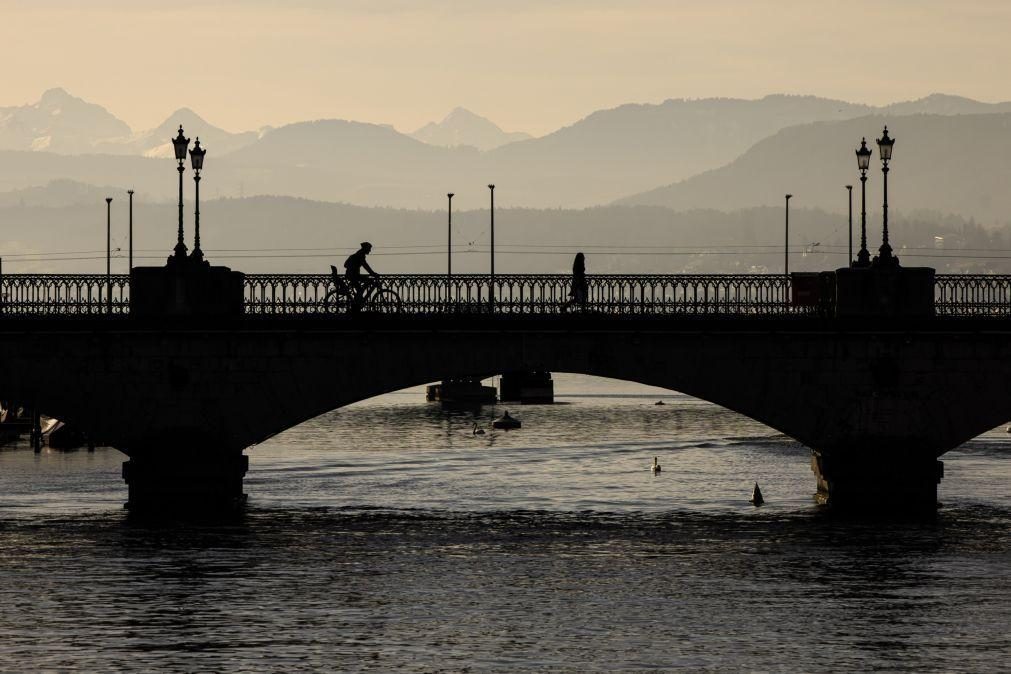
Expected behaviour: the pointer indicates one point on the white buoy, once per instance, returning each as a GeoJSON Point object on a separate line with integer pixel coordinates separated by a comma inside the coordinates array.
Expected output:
{"type": "Point", "coordinates": [756, 496]}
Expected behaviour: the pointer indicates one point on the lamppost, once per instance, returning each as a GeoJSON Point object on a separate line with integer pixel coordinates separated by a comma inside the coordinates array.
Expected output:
{"type": "Point", "coordinates": [180, 143]}
{"type": "Point", "coordinates": [449, 237]}
{"type": "Point", "coordinates": [197, 159]}
{"type": "Point", "coordinates": [863, 162]}
{"type": "Point", "coordinates": [130, 268]}
{"type": "Point", "coordinates": [849, 189]}
{"type": "Point", "coordinates": [786, 238]}
{"type": "Point", "coordinates": [491, 287]}
{"type": "Point", "coordinates": [108, 255]}
{"type": "Point", "coordinates": [885, 256]}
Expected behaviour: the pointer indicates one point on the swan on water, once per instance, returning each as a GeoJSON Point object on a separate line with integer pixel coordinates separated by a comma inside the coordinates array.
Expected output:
{"type": "Point", "coordinates": [656, 466]}
{"type": "Point", "coordinates": [476, 430]}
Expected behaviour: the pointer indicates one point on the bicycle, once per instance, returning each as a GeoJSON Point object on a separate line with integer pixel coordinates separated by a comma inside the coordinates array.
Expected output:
{"type": "Point", "coordinates": [368, 295]}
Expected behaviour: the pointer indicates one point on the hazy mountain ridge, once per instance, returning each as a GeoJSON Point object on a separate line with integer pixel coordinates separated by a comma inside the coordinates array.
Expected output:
{"type": "Point", "coordinates": [951, 164]}
{"type": "Point", "coordinates": [463, 127]}
{"type": "Point", "coordinates": [603, 157]}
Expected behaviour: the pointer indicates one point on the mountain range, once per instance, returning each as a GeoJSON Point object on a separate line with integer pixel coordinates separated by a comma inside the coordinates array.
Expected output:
{"type": "Point", "coordinates": [707, 153]}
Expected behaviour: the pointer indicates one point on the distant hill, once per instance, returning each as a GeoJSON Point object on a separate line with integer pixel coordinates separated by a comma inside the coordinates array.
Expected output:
{"type": "Point", "coordinates": [58, 122]}
{"type": "Point", "coordinates": [283, 234]}
{"type": "Point", "coordinates": [463, 127]}
{"type": "Point", "coordinates": [943, 104]}
{"type": "Point", "coordinates": [952, 164]}
{"type": "Point", "coordinates": [62, 193]}
{"type": "Point", "coordinates": [339, 160]}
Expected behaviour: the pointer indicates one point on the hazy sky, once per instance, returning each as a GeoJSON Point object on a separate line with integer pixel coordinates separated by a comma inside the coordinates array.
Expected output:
{"type": "Point", "coordinates": [528, 65]}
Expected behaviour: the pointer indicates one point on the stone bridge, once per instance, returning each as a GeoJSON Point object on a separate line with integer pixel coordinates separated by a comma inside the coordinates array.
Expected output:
{"type": "Point", "coordinates": [877, 398]}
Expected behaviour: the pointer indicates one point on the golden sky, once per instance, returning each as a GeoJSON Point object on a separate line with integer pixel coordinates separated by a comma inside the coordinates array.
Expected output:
{"type": "Point", "coordinates": [528, 65]}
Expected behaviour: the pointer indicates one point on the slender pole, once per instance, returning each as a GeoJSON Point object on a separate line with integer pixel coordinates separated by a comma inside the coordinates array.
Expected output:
{"type": "Point", "coordinates": [108, 255]}
{"type": "Point", "coordinates": [197, 253]}
{"type": "Point", "coordinates": [849, 188]}
{"type": "Point", "coordinates": [130, 268]}
{"type": "Point", "coordinates": [786, 240]}
{"type": "Point", "coordinates": [180, 243]}
{"type": "Point", "coordinates": [449, 238]}
{"type": "Point", "coordinates": [491, 287]}
{"type": "Point", "coordinates": [885, 252]}
{"type": "Point", "coordinates": [863, 257]}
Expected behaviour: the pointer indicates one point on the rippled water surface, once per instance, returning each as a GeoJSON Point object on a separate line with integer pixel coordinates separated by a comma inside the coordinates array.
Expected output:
{"type": "Point", "coordinates": [387, 535]}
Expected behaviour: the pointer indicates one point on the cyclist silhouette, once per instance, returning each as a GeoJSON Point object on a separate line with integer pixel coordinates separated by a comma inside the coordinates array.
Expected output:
{"type": "Point", "coordinates": [353, 270]}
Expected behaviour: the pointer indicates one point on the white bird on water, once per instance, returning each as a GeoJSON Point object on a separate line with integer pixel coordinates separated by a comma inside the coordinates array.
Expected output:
{"type": "Point", "coordinates": [656, 466]}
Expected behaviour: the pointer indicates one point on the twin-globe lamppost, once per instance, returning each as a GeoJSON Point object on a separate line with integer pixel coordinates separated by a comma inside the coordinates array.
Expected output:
{"type": "Point", "coordinates": [180, 144]}
{"type": "Point", "coordinates": [885, 256]}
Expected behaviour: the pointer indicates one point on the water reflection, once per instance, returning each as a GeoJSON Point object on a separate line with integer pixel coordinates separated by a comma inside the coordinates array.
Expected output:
{"type": "Point", "coordinates": [328, 587]}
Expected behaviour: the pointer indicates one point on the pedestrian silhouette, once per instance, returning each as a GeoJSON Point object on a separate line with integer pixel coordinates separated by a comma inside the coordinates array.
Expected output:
{"type": "Point", "coordinates": [579, 290]}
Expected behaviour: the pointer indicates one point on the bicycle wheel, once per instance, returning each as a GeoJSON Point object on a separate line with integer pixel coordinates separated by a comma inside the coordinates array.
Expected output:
{"type": "Point", "coordinates": [334, 302]}
{"type": "Point", "coordinates": [385, 302]}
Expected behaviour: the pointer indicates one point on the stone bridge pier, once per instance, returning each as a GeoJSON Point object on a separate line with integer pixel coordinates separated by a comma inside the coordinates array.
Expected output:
{"type": "Point", "coordinates": [877, 407]}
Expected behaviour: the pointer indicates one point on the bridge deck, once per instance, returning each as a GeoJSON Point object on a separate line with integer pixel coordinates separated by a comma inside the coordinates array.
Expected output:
{"type": "Point", "coordinates": [670, 295]}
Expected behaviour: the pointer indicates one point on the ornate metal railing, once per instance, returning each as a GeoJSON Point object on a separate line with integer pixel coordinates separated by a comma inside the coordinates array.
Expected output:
{"type": "Point", "coordinates": [955, 295]}
{"type": "Point", "coordinates": [64, 294]}
{"type": "Point", "coordinates": [977, 295]}
{"type": "Point", "coordinates": [427, 294]}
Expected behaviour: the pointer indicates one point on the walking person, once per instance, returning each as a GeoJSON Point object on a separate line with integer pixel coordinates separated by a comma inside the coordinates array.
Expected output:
{"type": "Point", "coordinates": [579, 290]}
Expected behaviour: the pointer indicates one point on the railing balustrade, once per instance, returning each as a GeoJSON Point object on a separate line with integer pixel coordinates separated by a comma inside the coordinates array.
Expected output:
{"type": "Point", "coordinates": [956, 295]}
{"type": "Point", "coordinates": [64, 294]}
{"type": "Point", "coordinates": [977, 295]}
{"type": "Point", "coordinates": [614, 294]}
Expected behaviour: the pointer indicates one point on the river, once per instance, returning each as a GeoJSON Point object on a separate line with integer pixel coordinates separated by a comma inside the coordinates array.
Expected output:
{"type": "Point", "coordinates": [386, 535]}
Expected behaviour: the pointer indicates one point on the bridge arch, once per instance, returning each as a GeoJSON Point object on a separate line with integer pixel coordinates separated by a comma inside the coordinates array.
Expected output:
{"type": "Point", "coordinates": [889, 401]}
